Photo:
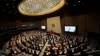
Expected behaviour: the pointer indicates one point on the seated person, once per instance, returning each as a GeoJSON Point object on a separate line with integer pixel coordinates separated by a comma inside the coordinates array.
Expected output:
{"type": "Point", "coordinates": [83, 53]}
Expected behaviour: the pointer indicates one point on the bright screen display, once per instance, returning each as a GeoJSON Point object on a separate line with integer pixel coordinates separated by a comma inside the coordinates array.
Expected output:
{"type": "Point", "coordinates": [70, 28]}
{"type": "Point", "coordinates": [43, 27]}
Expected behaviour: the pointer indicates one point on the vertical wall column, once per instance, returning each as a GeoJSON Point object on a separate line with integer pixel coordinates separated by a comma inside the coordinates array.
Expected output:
{"type": "Point", "coordinates": [54, 24]}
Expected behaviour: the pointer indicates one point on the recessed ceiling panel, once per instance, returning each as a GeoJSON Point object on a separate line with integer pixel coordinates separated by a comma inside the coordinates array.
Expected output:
{"type": "Point", "coordinates": [39, 7]}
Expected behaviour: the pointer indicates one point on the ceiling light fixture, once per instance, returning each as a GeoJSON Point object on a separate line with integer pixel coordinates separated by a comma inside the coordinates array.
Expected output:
{"type": "Point", "coordinates": [39, 7]}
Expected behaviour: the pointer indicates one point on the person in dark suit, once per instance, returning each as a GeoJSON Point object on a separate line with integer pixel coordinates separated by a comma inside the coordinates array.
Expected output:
{"type": "Point", "coordinates": [70, 53]}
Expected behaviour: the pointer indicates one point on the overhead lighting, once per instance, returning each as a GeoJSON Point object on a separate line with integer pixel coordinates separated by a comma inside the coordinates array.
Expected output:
{"type": "Point", "coordinates": [39, 7]}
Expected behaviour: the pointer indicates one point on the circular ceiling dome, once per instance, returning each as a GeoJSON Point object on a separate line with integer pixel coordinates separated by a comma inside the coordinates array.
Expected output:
{"type": "Point", "coordinates": [39, 7]}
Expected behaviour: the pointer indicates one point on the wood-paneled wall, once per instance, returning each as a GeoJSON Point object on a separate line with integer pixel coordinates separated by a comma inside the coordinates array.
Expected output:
{"type": "Point", "coordinates": [89, 22]}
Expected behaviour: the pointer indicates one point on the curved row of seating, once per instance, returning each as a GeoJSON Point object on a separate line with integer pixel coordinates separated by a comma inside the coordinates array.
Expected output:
{"type": "Point", "coordinates": [59, 45]}
{"type": "Point", "coordinates": [32, 42]}
{"type": "Point", "coordinates": [28, 42]}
